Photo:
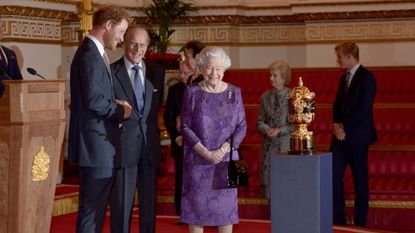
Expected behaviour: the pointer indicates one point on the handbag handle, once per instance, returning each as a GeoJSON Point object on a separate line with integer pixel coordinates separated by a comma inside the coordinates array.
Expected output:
{"type": "Point", "coordinates": [231, 153]}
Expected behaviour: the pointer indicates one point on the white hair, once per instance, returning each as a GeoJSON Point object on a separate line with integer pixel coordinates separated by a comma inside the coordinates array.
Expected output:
{"type": "Point", "coordinates": [213, 52]}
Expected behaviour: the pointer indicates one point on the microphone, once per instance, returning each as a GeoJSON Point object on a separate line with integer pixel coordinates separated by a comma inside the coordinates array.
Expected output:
{"type": "Point", "coordinates": [34, 72]}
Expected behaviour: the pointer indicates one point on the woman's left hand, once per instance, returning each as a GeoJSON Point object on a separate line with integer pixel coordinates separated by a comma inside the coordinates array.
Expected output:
{"type": "Point", "coordinates": [273, 132]}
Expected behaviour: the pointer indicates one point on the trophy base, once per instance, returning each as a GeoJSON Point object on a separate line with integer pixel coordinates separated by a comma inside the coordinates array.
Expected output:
{"type": "Point", "coordinates": [301, 146]}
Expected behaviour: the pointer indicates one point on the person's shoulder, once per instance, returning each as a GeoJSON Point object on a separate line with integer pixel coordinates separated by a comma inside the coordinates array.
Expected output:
{"type": "Point", "coordinates": [152, 65]}
{"type": "Point", "coordinates": [118, 63]}
{"type": "Point", "coordinates": [233, 87]}
{"type": "Point", "coordinates": [176, 86]}
{"type": "Point", "coordinates": [266, 93]}
{"type": "Point", "coordinates": [6, 49]}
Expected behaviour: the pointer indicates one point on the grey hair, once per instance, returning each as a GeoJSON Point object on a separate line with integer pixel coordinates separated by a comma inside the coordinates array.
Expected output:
{"type": "Point", "coordinates": [213, 52]}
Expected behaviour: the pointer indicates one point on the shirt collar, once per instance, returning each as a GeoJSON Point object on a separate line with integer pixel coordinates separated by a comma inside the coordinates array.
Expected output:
{"type": "Point", "coordinates": [98, 44]}
{"type": "Point", "coordinates": [129, 65]}
{"type": "Point", "coordinates": [354, 69]}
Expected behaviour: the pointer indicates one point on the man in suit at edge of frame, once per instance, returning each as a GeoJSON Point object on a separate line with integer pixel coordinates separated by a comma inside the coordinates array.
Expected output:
{"type": "Point", "coordinates": [9, 68]}
{"type": "Point", "coordinates": [353, 132]}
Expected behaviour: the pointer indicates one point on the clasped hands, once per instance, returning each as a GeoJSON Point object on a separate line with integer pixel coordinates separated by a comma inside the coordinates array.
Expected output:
{"type": "Point", "coordinates": [272, 132]}
{"type": "Point", "coordinates": [213, 156]}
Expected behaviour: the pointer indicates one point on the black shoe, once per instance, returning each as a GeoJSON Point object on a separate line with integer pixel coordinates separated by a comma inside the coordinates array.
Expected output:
{"type": "Point", "coordinates": [339, 222]}
{"type": "Point", "coordinates": [360, 224]}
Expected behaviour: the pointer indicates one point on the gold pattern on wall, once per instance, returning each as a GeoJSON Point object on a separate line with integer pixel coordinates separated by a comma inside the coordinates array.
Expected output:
{"type": "Point", "coordinates": [70, 33]}
{"type": "Point", "coordinates": [29, 28]}
{"type": "Point", "coordinates": [265, 34]}
{"type": "Point", "coordinates": [369, 30]}
{"type": "Point", "coordinates": [34, 12]}
{"type": "Point", "coordinates": [40, 165]}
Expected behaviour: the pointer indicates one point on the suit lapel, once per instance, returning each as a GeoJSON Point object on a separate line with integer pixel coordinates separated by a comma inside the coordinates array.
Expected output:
{"type": "Point", "coordinates": [355, 79]}
{"type": "Point", "coordinates": [147, 97]}
{"type": "Point", "coordinates": [121, 74]}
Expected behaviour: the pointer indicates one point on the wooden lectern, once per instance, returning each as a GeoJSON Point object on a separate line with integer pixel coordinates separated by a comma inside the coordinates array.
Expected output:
{"type": "Point", "coordinates": [32, 125]}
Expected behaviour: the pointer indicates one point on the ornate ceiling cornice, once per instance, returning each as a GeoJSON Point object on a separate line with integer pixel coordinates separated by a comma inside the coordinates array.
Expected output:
{"type": "Point", "coordinates": [278, 19]}
{"type": "Point", "coordinates": [67, 16]}
{"type": "Point", "coordinates": [35, 12]}
{"type": "Point", "coordinates": [69, 2]}
{"type": "Point", "coordinates": [348, 3]}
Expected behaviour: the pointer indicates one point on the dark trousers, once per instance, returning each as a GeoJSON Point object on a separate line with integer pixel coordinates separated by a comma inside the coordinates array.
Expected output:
{"type": "Point", "coordinates": [146, 183]}
{"type": "Point", "coordinates": [178, 163]}
{"type": "Point", "coordinates": [94, 193]}
{"type": "Point", "coordinates": [355, 156]}
{"type": "Point", "coordinates": [122, 199]}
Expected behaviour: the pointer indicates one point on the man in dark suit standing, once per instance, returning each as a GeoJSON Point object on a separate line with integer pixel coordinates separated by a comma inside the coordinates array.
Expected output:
{"type": "Point", "coordinates": [353, 132]}
{"type": "Point", "coordinates": [172, 123]}
{"type": "Point", "coordinates": [9, 68]}
{"type": "Point", "coordinates": [136, 43]}
{"type": "Point", "coordinates": [147, 175]}
{"type": "Point", "coordinates": [128, 73]}
{"type": "Point", "coordinates": [94, 133]}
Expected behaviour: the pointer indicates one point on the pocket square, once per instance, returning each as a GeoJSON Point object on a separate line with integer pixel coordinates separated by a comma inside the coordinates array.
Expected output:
{"type": "Point", "coordinates": [155, 90]}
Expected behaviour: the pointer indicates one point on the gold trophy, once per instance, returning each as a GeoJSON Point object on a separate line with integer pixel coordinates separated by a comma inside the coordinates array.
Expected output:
{"type": "Point", "coordinates": [301, 102]}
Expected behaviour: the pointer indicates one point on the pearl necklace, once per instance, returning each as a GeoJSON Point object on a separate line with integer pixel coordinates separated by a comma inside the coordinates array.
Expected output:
{"type": "Point", "coordinates": [216, 89]}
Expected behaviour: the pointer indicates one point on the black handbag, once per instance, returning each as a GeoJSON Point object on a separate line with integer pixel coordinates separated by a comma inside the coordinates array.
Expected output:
{"type": "Point", "coordinates": [237, 171]}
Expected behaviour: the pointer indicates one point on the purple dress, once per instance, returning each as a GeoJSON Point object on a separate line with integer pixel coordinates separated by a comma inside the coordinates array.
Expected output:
{"type": "Point", "coordinates": [212, 119]}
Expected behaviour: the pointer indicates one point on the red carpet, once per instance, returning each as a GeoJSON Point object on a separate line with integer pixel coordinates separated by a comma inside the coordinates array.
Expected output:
{"type": "Point", "coordinates": [166, 224]}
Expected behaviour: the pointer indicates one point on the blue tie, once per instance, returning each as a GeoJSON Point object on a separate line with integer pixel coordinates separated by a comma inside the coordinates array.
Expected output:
{"type": "Point", "coordinates": [138, 88]}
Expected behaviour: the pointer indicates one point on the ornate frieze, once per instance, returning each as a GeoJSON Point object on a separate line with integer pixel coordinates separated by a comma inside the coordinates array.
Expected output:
{"type": "Point", "coordinates": [45, 25]}
{"type": "Point", "coordinates": [363, 31]}
{"type": "Point", "coordinates": [31, 29]}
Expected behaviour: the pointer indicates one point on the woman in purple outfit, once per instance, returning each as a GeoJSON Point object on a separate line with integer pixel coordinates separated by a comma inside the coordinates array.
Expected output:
{"type": "Point", "coordinates": [212, 114]}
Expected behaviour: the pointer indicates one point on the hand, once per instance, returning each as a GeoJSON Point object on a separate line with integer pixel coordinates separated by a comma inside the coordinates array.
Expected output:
{"type": "Point", "coordinates": [211, 156]}
{"type": "Point", "coordinates": [178, 121]}
{"type": "Point", "coordinates": [338, 131]}
{"type": "Point", "coordinates": [127, 107]}
{"type": "Point", "coordinates": [273, 132]}
{"type": "Point", "coordinates": [215, 156]}
{"type": "Point", "coordinates": [179, 141]}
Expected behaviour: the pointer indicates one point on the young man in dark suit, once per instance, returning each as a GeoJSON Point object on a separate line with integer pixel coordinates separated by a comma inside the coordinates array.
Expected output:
{"type": "Point", "coordinates": [172, 123]}
{"type": "Point", "coordinates": [353, 132]}
{"type": "Point", "coordinates": [94, 133]}
{"type": "Point", "coordinates": [144, 153]}
{"type": "Point", "coordinates": [9, 68]}
{"type": "Point", "coordinates": [128, 73]}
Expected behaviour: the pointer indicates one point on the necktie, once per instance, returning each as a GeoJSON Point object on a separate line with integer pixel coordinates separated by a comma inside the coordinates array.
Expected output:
{"type": "Point", "coordinates": [347, 83]}
{"type": "Point", "coordinates": [107, 62]}
{"type": "Point", "coordinates": [107, 65]}
{"type": "Point", "coordinates": [138, 88]}
{"type": "Point", "coordinates": [4, 60]}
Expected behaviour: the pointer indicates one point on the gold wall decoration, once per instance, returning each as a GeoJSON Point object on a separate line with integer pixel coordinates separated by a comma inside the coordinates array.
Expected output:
{"type": "Point", "coordinates": [85, 13]}
{"type": "Point", "coordinates": [40, 165]}
{"type": "Point", "coordinates": [31, 29]}
{"type": "Point", "coordinates": [362, 30]}
{"type": "Point", "coordinates": [34, 12]}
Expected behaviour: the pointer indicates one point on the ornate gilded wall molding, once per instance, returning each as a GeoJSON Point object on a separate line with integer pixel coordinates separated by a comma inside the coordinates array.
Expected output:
{"type": "Point", "coordinates": [360, 31]}
{"type": "Point", "coordinates": [45, 25]}
{"type": "Point", "coordinates": [249, 35]}
{"type": "Point", "coordinates": [35, 12]}
{"type": "Point", "coordinates": [31, 29]}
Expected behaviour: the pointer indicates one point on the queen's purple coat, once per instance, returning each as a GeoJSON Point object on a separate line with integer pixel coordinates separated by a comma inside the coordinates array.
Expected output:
{"type": "Point", "coordinates": [212, 119]}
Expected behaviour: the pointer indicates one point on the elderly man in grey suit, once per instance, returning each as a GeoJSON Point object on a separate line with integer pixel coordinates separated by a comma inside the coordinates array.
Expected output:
{"type": "Point", "coordinates": [94, 134]}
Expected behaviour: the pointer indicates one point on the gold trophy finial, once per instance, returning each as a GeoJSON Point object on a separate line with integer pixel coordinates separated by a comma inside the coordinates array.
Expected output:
{"type": "Point", "coordinates": [301, 114]}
